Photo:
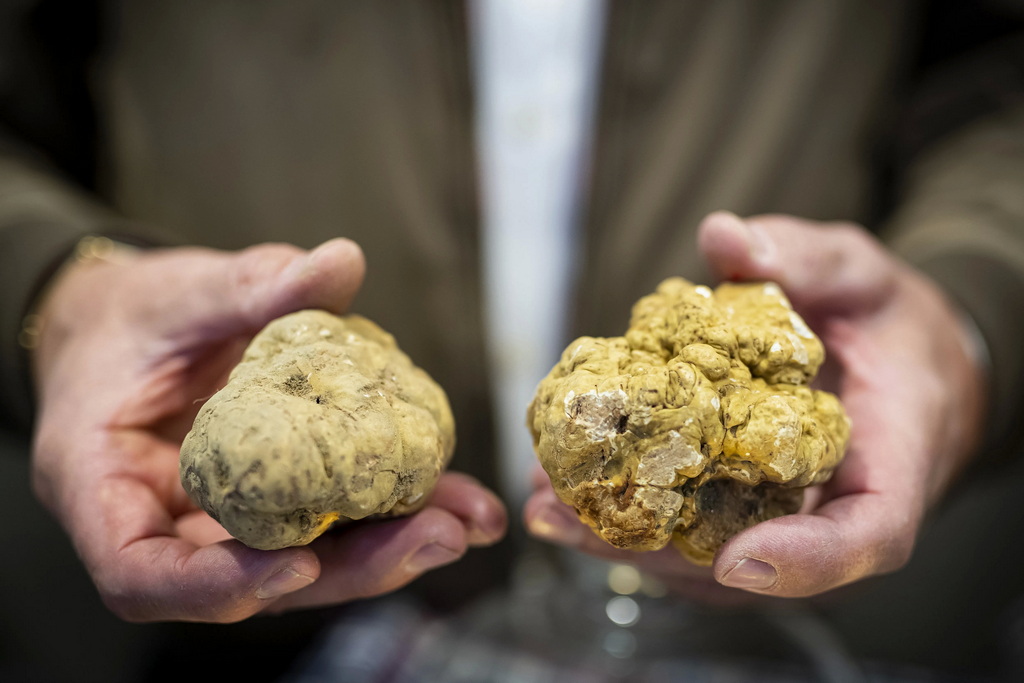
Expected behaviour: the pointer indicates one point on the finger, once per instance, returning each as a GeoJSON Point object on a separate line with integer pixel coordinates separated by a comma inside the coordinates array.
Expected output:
{"type": "Point", "coordinates": [379, 557]}
{"type": "Point", "coordinates": [819, 265]}
{"type": "Point", "coordinates": [244, 291]}
{"type": "Point", "coordinates": [552, 520]}
{"type": "Point", "coordinates": [871, 510]}
{"type": "Point", "coordinates": [539, 479]}
{"type": "Point", "coordinates": [160, 577]}
{"type": "Point", "coordinates": [481, 512]}
{"type": "Point", "coordinates": [548, 518]}
{"type": "Point", "coordinates": [145, 573]}
{"type": "Point", "coordinates": [845, 540]}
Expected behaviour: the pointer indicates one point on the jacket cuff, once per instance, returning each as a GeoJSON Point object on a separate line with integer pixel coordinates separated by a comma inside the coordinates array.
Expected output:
{"type": "Point", "coordinates": [990, 291]}
{"type": "Point", "coordinates": [29, 256]}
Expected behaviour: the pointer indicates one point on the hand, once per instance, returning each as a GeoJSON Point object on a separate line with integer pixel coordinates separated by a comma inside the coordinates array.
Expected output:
{"type": "Point", "coordinates": [901, 361]}
{"type": "Point", "coordinates": [127, 352]}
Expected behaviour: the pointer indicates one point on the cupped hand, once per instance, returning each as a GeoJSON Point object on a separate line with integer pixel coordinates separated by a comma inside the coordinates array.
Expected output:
{"type": "Point", "coordinates": [907, 368]}
{"type": "Point", "coordinates": [127, 352]}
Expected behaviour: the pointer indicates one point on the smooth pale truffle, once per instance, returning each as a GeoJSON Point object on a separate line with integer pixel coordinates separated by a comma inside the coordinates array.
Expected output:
{"type": "Point", "coordinates": [695, 425]}
{"type": "Point", "coordinates": [324, 418]}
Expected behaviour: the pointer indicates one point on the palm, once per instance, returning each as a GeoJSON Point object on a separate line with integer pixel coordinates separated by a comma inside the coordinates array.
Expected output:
{"type": "Point", "coordinates": [901, 364]}
{"type": "Point", "coordinates": [131, 352]}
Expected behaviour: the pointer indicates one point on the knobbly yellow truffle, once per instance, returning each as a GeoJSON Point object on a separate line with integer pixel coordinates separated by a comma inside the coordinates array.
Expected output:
{"type": "Point", "coordinates": [323, 419]}
{"type": "Point", "coordinates": [695, 425]}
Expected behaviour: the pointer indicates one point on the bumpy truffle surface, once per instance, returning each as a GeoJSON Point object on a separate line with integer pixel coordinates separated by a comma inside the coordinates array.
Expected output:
{"type": "Point", "coordinates": [324, 418]}
{"type": "Point", "coordinates": [695, 425]}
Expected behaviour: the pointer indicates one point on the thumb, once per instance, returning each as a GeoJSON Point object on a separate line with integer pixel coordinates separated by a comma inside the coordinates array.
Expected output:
{"type": "Point", "coordinates": [819, 265]}
{"type": "Point", "coordinates": [240, 292]}
{"type": "Point", "coordinates": [221, 582]}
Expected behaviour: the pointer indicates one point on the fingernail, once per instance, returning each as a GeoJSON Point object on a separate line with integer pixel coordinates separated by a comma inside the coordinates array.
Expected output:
{"type": "Point", "coordinates": [302, 266]}
{"type": "Point", "coordinates": [429, 557]}
{"type": "Point", "coordinates": [750, 573]}
{"type": "Point", "coordinates": [559, 524]}
{"type": "Point", "coordinates": [285, 581]}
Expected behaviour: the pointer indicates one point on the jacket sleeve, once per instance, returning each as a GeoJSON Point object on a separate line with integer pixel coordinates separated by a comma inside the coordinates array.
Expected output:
{"type": "Point", "coordinates": [41, 219]}
{"type": "Point", "coordinates": [46, 164]}
{"type": "Point", "coordinates": [960, 217]}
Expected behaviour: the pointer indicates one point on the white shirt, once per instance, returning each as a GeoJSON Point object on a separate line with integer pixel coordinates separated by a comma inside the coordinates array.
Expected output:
{"type": "Point", "coordinates": [536, 72]}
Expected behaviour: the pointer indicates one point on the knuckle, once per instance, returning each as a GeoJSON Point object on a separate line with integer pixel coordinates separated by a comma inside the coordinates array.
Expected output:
{"type": "Point", "coordinates": [859, 241]}
{"type": "Point", "coordinates": [254, 270]}
{"type": "Point", "coordinates": [258, 263]}
{"type": "Point", "coordinates": [262, 259]}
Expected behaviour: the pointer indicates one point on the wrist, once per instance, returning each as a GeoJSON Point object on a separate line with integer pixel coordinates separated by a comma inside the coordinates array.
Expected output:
{"type": "Point", "coordinates": [66, 295]}
{"type": "Point", "coordinates": [89, 250]}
